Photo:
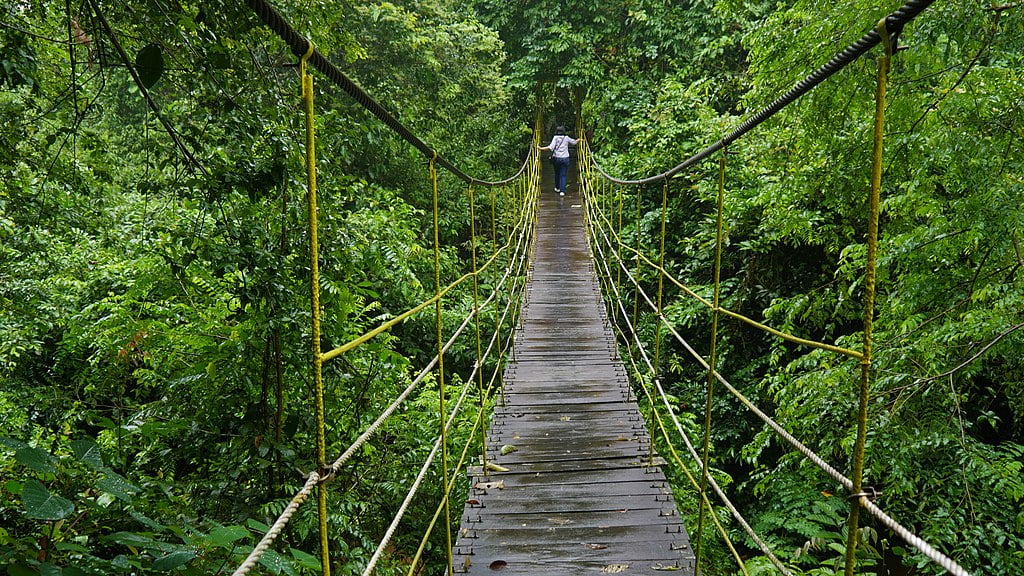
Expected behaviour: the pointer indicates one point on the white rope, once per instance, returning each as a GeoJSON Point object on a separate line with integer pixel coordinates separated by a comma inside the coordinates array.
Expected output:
{"type": "Point", "coordinates": [518, 257]}
{"type": "Point", "coordinates": [915, 541]}
{"type": "Point", "coordinates": [254, 557]}
{"type": "Point", "coordinates": [938, 557]}
{"type": "Point", "coordinates": [414, 489]}
{"type": "Point", "coordinates": [679, 428]}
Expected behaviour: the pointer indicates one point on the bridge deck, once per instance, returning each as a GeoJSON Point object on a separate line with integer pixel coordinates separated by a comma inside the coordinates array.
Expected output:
{"type": "Point", "coordinates": [578, 497]}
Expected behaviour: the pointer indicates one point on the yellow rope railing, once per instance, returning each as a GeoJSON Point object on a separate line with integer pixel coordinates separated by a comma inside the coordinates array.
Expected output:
{"type": "Point", "coordinates": [513, 255]}
{"type": "Point", "coordinates": [601, 225]}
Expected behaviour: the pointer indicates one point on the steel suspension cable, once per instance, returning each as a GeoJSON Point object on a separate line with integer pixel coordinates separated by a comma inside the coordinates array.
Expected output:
{"type": "Point", "coordinates": [447, 422]}
{"type": "Point", "coordinates": [299, 45]}
{"type": "Point", "coordinates": [476, 314]}
{"type": "Point", "coordinates": [439, 308]}
{"type": "Point", "coordinates": [713, 353]}
{"type": "Point", "coordinates": [642, 295]}
{"type": "Point", "coordinates": [642, 258]}
{"type": "Point", "coordinates": [660, 311]}
{"type": "Point", "coordinates": [864, 392]}
{"type": "Point", "coordinates": [893, 24]}
{"type": "Point", "coordinates": [947, 563]}
{"type": "Point", "coordinates": [477, 371]}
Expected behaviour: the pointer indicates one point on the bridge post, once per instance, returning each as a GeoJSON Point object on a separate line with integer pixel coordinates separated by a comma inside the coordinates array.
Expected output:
{"type": "Point", "coordinates": [857, 491]}
{"type": "Point", "coordinates": [314, 282]}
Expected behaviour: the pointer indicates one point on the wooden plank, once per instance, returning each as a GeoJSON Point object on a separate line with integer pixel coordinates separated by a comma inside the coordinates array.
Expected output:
{"type": "Point", "coordinates": [579, 495]}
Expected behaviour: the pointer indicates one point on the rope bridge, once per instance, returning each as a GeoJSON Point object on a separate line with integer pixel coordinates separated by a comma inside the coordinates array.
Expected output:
{"type": "Point", "coordinates": [504, 256]}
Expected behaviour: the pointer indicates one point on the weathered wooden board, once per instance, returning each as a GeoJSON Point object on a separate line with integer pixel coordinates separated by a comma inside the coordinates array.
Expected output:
{"type": "Point", "coordinates": [580, 495]}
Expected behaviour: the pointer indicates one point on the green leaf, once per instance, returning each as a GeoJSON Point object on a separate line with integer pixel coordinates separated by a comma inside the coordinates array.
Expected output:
{"type": "Point", "coordinates": [147, 521]}
{"type": "Point", "coordinates": [47, 569]}
{"type": "Point", "coordinates": [307, 561]}
{"type": "Point", "coordinates": [149, 63]}
{"type": "Point", "coordinates": [115, 484]}
{"type": "Point", "coordinates": [132, 539]}
{"type": "Point", "coordinates": [35, 459]}
{"type": "Point", "coordinates": [13, 486]}
{"type": "Point", "coordinates": [276, 563]}
{"type": "Point", "coordinates": [257, 525]}
{"type": "Point", "coordinates": [88, 452]}
{"type": "Point", "coordinates": [12, 443]}
{"type": "Point", "coordinates": [71, 547]}
{"type": "Point", "coordinates": [40, 504]}
{"type": "Point", "coordinates": [173, 560]}
{"type": "Point", "coordinates": [224, 536]}
{"type": "Point", "coordinates": [20, 570]}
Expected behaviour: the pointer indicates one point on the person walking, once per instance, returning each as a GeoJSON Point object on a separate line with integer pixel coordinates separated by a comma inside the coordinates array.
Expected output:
{"type": "Point", "coordinates": [559, 147]}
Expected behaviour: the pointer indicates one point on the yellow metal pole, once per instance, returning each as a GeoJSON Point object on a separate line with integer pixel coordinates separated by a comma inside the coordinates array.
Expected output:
{"type": "Point", "coordinates": [314, 273]}
{"type": "Point", "coordinates": [443, 414]}
{"type": "Point", "coordinates": [713, 360]}
{"type": "Point", "coordinates": [661, 293]}
{"type": "Point", "coordinates": [476, 322]}
{"type": "Point", "coordinates": [869, 299]}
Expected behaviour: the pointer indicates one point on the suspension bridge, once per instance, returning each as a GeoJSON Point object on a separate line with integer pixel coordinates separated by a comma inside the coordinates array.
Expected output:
{"type": "Point", "coordinates": [570, 484]}
{"type": "Point", "coordinates": [568, 481]}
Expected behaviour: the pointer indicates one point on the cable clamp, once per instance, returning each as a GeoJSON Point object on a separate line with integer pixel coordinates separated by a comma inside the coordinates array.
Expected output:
{"type": "Point", "coordinates": [868, 492]}
{"type": "Point", "coordinates": [326, 475]}
{"type": "Point", "coordinates": [889, 29]}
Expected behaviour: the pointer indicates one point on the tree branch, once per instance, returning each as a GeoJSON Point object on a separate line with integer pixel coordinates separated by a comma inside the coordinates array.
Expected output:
{"type": "Point", "coordinates": [188, 154]}
{"type": "Point", "coordinates": [984, 349]}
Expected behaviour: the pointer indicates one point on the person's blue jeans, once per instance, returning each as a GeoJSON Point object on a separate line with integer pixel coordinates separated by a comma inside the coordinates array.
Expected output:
{"type": "Point", "coordinates": [561, 170]}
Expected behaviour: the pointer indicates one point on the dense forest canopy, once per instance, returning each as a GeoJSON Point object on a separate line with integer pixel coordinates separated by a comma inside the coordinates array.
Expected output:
{"type": "Point", "coordinates": [154, 300]}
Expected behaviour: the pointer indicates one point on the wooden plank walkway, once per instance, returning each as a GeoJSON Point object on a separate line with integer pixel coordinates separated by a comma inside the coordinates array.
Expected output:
{"type": "Point", "coordinates": [578, 497]}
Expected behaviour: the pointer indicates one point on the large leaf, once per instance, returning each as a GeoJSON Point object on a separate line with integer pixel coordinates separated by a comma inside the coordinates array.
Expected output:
{"type": "Point", "coordinates": [12, 443]}
{"type": "Point", "coordinates": [225, 536]}
{"type": "Point", "coordinates": [35, 459]}
{"type": "Point", "coordinates": [173, 560]}
{"type": "Point", "coordinates": [20, 570]}
{"type": "Point", "coordinates": [306, 560]}
{"type": "Point", "coordinates": [149, 63]}
{"type": "Point", "coordinates": [146, 521]}
{"type": "Point", "coordinates": [132, 539]}
{"type": "Point", "coordinates": [40, 504]}
{"type": "Point", "coordinates": [88, 451]}
{"type": "Point", "coordinates": [277, 564]}
{"type": "Point", "coordinates": [115, 484]}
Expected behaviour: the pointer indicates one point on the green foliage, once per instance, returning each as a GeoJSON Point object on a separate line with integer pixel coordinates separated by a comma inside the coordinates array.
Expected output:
{"type": "Point", "coordinates": [154, 315]}
{"type": "Point", "coordinates": [945, 413]}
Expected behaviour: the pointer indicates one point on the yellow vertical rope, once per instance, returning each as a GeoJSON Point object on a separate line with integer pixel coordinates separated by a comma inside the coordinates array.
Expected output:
{"type": "Point", "coordinates": [494, 283]}
{"type": "Point", "coordinates": [713, 360]}
{"type": "Point", "coordinates": [869, 297]}
{"type": "Point", "coordinates": [440, 368]}
{"type": "Point", "coordinates": [661, 293]}
{"type": "Point", "coordinates": [639, 260]}
{"type": "Point", "coordinates": [476, 321]}
{"type": "Point", "coordinates": [618, 237]}
{"type": "Point", "coordinates": [314, 282]}
{"type": "Point", "coordinates": [618, 267]}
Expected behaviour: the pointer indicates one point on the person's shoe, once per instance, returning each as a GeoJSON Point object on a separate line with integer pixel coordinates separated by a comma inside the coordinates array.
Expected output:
{"type": "Point", "coordinates": [557, 190]}
{"type": "Point", "coordinates": [561, 193]}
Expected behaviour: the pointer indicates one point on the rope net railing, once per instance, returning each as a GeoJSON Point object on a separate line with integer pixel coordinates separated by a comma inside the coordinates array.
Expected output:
{"type": "Point", "coordinates": [504, 269]}
{"type": "Point", "coordinates": [604, 200]}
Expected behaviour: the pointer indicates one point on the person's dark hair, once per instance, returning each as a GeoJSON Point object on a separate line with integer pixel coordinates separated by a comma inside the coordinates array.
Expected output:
{"type": "Point", "coordinates": [560, 131]}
